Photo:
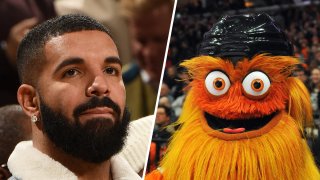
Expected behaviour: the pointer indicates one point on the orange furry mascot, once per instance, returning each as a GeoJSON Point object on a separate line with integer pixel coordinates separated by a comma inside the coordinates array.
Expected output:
{"type": "Point", "coordinates": [244, 114]}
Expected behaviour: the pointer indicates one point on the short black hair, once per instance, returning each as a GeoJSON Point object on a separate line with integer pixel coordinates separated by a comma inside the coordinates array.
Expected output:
{"type": "Point", "coordinates": [167, 110]}
{"type": "Point", "coordinates": [301, 68]}
{"type": "Point", "coordinates": [31, 55]}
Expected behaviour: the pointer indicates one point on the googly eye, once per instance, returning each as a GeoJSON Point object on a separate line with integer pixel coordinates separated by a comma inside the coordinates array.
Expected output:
{"type": "Point", "coordinates": [256, 84]}
{"type": "Point", "coordinates": [217, 83]}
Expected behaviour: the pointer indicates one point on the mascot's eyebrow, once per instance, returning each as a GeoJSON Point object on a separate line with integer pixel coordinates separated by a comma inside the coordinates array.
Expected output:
{"type": "Point", "coordinates": [275, 66]}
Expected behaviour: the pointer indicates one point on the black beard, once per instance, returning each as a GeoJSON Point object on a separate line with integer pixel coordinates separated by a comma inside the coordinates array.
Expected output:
{"type": "Point", "coordinates": [94, 141]}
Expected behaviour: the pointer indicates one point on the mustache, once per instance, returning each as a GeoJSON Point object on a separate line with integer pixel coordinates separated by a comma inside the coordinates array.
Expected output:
{"type": "Point", "coordinates": [95, 102]}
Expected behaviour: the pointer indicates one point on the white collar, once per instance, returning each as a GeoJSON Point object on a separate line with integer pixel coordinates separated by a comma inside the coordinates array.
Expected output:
{"type": "Point", "coordinates": [26, 162]}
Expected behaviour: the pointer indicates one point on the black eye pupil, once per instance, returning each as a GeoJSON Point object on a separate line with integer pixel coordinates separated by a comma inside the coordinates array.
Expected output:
{"type": "Point", "coordinates": [257, 85]}
{"type": "Point", "coordinates": [109, 70]}
{"type": "Point", "coordinates": [218, 84]}
{"type": "Point", "coordinates": [71, 72]}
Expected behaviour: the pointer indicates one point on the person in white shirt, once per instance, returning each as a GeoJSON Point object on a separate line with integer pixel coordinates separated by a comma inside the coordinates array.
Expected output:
{"type": "Point", "coordinates": [73, 92]}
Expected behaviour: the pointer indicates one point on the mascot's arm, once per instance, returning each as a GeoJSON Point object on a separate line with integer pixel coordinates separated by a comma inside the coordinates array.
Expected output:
{"type": "Point", "coordinates": [154, 175]}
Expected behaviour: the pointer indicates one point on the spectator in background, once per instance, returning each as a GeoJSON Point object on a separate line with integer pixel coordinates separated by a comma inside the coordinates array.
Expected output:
{"type": "Point", "coordinates": [182, 82]}
{"type": "Point", "coordinates": [149, 23]}
{"type": "Point", "coordinates": [107, 13]}
{"type": "Point", "coordinates": [17, 17]}
{"type": "Point", "coordinates": [315, 79]}
{"type": "Point", "coordinates": [314, 90]}
{"type": "Point", "coordinates": [14, 127]}
{"type": "Point", "coordinates": [304, 50]}
{"type": "Point", "coordinates": [315, 63]}
{"type": "Point", "coordinates": [178, 102]}
{"type": "Point", "coordinates": [163, 131]}
{"type": "Point", "coordinates": [316, 149]}
{"type": "Point", "coordinates": [170, 76]}
{"type": "Point", "coordinates": [302, 73]}
{"type": "Point", "coordinates": [164, 101]}
{"type": "Point", "coordinates": [165, 92]}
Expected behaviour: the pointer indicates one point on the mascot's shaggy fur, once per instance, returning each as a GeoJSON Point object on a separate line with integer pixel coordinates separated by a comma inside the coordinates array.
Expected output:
{"type": "Point", "coordinates": [242, 119]}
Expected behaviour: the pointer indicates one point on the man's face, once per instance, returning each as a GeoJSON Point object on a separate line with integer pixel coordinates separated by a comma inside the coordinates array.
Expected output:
{"type": "Point", "coordinates": [161, 118]}
{"type": "Point", "coordinates": [317, 56]}
{"type": "Point", "coordinates": [301, 75]}
{"type": "Point", "coordinates": [315, 76]}
{"type": "Point", "coordinates": [164, 90]}
{"type": "Point", "coordinates": [149, 38]}
{"type": "Point", "coordinates": [82, 95]}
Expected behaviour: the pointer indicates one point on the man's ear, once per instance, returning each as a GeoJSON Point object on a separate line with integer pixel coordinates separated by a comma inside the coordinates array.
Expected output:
{"type": "Point", "coordinates": [27, 98]}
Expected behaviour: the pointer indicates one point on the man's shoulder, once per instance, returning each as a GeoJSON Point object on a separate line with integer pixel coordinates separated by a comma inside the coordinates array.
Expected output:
{"type": "Point", "coordinates": [26, 162]}
{"type": "Point", "coordinates": [121, 170]}
{"type": "Point", "coordinates": [138, 142]}
{"type": "Point", "coordinates": [140, 130]}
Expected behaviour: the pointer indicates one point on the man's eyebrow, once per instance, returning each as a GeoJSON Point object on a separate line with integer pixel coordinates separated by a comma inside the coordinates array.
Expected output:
{"type": "Point", "coordinates": [113, 59]}
{"type": "Point", "coordinates": [69, 61]}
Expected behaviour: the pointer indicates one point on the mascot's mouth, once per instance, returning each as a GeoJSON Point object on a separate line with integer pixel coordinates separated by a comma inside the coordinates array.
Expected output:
{"type": "Point", "coordinates": [238, 125]}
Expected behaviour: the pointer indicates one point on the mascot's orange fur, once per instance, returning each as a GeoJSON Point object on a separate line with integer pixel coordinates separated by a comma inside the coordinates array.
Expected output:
{"type": "Point", "coordinates": [241, 121]}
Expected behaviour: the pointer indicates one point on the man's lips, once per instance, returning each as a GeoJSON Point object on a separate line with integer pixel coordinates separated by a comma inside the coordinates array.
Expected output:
{"type": "Point", "coordinates": [98, 112]}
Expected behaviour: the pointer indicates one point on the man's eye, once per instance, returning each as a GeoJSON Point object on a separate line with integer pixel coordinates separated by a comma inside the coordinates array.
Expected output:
{"type": "Point", "coordinates": [71, 73]}
{"type": "Point", "coordinates": [142, 41]}
{"type": "Point", "coordinates": [111, 71]}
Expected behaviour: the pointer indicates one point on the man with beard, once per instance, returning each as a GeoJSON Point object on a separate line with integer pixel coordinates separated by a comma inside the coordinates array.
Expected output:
{"type": "Point", "coordinates": [73, 91]}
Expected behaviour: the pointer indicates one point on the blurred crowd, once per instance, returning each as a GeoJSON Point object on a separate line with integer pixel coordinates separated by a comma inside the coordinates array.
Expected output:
{"type": "Point", "coordinates": [192, 20]}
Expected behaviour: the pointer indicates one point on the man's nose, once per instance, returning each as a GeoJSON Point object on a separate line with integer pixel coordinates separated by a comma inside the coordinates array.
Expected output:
{"type": "Point", "coordinates": [98, 87]}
